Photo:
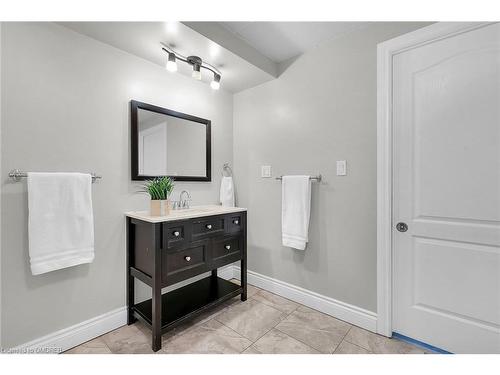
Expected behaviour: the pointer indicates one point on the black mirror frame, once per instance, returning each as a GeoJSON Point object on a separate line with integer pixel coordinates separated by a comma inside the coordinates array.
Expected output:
{"type": "Point", "coordinates": [134, 136]}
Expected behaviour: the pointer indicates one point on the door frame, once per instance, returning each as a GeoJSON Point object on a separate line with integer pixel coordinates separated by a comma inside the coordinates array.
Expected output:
{"type": "Point", "coordinates": [385, 53]}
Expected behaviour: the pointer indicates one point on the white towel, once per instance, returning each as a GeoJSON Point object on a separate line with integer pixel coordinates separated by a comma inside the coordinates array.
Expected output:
{"type": "Point", "coordinates": [295, 211]}
{"type": "Point", "coordinates": [227, 191]}
{"type": "Point", "coordinates": [60, 223]}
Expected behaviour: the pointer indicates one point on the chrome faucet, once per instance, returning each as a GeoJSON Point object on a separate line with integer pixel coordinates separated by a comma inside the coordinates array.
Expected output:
{"type": "Point", "coordinates": [184, 203]}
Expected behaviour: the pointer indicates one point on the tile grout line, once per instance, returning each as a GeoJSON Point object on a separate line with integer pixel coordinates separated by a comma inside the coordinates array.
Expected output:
{"type": "Point", "coordinates": [287, 335]}
{"type": "Point", "coordinates": [321, 330]}
{"type": "Point", "coordinates": [341, 341]}
{"type": "Point", "coordinates": [300, 340]}
{"type": "Point", "coordinates": [95, 338]}
{"type": "Point", "coordinates": [356, 344]}
{"type": "Point", "coordinates": [369, 352]}
{"type": "Point", "coordinates": [258, 338]}
{"type": "Point", "coordinates": [294, 338]}
{"type": "Point", "coordinates": [269, 304]}
{"type": "Point", "coordinates": [239, 334]}
{"type": "Point", "coordinates": [265, 333]}
{"type": "Point", "coordinates": [249, 339]}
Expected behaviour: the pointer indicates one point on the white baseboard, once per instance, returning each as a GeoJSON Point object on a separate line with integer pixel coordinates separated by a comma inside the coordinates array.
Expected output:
{"type": "Point", "coordinates": [70, 337]}
{"type": "Point", "coordinates": [226, 273]}
{"type": "Point", "coordinates": [338, 309]}
{"type": "Point", "coordinates": [77, 334]}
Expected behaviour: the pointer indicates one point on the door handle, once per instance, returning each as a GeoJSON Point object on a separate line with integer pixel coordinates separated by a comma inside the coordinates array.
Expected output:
{"type": "Point", "coordinates": [209, 226]}
{"type": "Point", "coordinates": [402, 227]}
{"type": "Point", "coordinates": [188, 259]}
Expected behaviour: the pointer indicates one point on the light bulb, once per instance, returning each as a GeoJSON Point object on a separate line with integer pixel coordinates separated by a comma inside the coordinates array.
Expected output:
{"type": "Point", "coordinates": [215, 84]}
{"type": "Point", "coordinates": [196, 72]}
{"type": "Point", "coordinates": [171, 64]}
{"type": "Point", "coordinates": [196, 75]}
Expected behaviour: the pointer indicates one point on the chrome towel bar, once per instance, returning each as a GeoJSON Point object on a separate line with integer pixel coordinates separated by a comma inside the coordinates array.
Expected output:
{"type": "Point", "coordinates": [316, 178]}
{"type": "Point", "coordinates": [16, 175]}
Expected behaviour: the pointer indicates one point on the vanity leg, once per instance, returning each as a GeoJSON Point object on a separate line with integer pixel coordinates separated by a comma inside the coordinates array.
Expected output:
{"type": "Point", "coordinates": [243, 278]}
{"type": "Point", "coordinates": [156, 290]}
{"type": "Point", "coordinates": [130, 279]}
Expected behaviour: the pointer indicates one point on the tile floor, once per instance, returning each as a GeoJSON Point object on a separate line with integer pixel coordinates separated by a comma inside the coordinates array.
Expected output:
{"type": "Point", "coordinates": [264, 324]}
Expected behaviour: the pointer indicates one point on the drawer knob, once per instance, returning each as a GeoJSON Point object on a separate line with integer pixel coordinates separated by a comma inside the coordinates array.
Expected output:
{"type": "Point", "coordinates": [209, 226]}
{"type": "Point", "coordinates": [236, 222]}
{"type": "Point", "coordinates": [177, 233]}
{"type": "Point", "coordinates": [187, 259]}
{"type": "Point", "coordinates": [228, 247]}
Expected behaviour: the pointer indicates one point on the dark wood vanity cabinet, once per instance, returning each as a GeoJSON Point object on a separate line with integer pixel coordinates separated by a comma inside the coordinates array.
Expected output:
{"type": "Point", "coordinates": [164, 253]}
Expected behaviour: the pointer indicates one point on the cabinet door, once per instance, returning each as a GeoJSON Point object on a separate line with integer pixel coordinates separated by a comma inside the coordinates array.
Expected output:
{"type": "Point", "coordinates": [177, 234]}
{"type": "Point", "coordinates": [226, 250]}
{"type": "Point", "coordinates": [185, 263]}
{"type": "Point", "coordinates": [208, 227]}
{"type": "Point", "coordinates": [234, 223]}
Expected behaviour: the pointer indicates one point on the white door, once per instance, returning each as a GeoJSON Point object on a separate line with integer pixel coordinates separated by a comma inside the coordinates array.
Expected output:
{"type": "Point", "coordinates": [446, 183]}
{"type": "Point", "coordinates": [153, 151]}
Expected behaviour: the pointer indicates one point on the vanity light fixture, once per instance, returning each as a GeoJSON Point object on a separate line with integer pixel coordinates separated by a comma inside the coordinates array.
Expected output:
{"type": "Point", "coordinates": [195, 61]}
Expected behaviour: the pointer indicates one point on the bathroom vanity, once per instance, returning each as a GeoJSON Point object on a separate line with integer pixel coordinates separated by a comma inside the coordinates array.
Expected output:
{"type": "Point", "coordinates": [164, 250]}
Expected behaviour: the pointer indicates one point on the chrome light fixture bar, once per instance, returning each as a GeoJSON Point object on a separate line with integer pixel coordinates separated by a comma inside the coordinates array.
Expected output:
{"type": "Point", "coordinates": [195, 61]}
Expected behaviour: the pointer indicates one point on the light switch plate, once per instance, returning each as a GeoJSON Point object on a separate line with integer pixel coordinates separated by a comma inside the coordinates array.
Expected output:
{"type": "Point", "coordinates": [266, 171]}
{"type": "Point", "coordinates": [341, 167]}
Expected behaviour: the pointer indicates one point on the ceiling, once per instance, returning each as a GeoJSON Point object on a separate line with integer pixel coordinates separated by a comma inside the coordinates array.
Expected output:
{"type": "Point", "coordinates": [246, 53]}
{"type": "Point", "coordinates": [143, 39]}
{"type": "Point", "coordinates": [281, 41]}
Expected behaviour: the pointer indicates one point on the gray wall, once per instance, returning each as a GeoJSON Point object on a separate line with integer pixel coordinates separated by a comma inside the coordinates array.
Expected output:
{"type": "Point", "coordinates": [65, 101]}
{"type": "Point", "coordinates": [321, 109]}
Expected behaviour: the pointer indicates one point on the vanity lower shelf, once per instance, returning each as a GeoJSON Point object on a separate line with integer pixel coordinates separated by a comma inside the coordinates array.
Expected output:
{"type": "Point", "coordinates": [187, 302]}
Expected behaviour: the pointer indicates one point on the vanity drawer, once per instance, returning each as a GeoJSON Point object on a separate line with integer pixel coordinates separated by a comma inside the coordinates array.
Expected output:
{"type": "Point", "coordinates": [234, 223]}
{"type": "Point", "coordinates": [176, 235]}
{"type": "Point", "coordinates": [226, 250]}
{"type": "Point", "coordinates": [182, 264]}
{"type": "Point", "coordinates": [212, 225]}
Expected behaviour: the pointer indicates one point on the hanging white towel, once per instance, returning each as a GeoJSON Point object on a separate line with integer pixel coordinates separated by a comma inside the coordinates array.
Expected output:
{"type": "Point", "coordinates": [295, 211]}
{"type": "Point", "coordinates": [227, 191]}
{"type": "Point", "coordinates": [60, 223]}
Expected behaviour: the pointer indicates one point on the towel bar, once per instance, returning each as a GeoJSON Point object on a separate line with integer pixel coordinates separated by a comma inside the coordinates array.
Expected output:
{"type": "Point", "coordinates": [16, 175]}
{"type": "Point", "coordinates": [317, 178]}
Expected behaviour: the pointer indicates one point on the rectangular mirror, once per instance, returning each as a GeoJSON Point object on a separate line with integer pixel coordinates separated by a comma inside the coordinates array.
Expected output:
{"type": "Point", "coordinates": [169, 143]}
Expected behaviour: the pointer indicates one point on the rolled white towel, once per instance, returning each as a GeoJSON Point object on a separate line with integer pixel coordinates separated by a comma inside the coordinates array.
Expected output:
{"type": "Point", "coordinates": [227, 191]}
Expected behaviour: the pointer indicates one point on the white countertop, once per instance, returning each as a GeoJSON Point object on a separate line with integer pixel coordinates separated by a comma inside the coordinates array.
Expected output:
{"type": "Point", "coordinates": [189, 213]}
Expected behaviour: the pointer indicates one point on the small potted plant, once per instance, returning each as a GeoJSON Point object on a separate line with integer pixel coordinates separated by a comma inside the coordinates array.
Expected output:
{"type": "Point", "coordinates": [159, 190]}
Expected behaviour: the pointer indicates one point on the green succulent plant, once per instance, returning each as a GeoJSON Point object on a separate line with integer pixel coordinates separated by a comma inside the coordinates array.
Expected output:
{"type": "Point", "coordinates": [159, 188]}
